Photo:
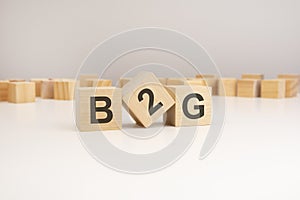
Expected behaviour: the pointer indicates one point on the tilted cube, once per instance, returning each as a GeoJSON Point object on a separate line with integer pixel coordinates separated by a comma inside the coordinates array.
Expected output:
{"type": "Point", "coordinates": [146, 99]}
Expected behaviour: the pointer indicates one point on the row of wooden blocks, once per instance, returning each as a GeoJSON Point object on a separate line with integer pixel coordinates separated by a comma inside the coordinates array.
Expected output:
{"type": "Point", "coordinates": [249, 85]}
{"type": "Point", "coordinates": [22, 91]}
{"type": "Point", "coordinates": [146, 99]}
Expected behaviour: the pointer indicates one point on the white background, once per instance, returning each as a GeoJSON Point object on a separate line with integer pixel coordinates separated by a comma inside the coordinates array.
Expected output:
{"type": "Point", "coordinates": [257, 157]}
{"type": "Point", "coordinates": [51, 38]}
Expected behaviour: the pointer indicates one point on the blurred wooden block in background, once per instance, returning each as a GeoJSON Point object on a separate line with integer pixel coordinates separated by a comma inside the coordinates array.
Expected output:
{"type": "Point", "coordinates": [146, 99]}
{"type": "Point", "coordinates": [38, 85]}
{"type": "Point", "coordinates": [273, 88]}
{"type": "Point", "coordinates": [99, 109]}
{"type": "Point", "coordinates": [64, 89]}
{"type": "Point", "coordinates": [83, 79]}
{"type": "Point", "coordinates": [47, 91]}
{"type": "Point", "coordinates": [176, 81]}
{"type": "Point", "coordinates": [290, 76]}
{"type": "Point", "coordinates": [192, 107]}
{"type": "Point", "coordinates": [210, 82]}
{"type": "Point", "coordinates": [253, 76]}
{"type": "Point", "coordinates": [21, 92]}
{"type": "Point", "coordinates": [227, 87]}
{"type": "Point", "coordinates": [248, 88]}
{"type": "Point", "coordinates": [291, 87]}
{"type": "Point", "coordinates": [123, 81]}
{"type": "Point", "coordinates": [204, 76]}
{"type": "Point", "coordinates": [17, 80]}
{"type": "Point", "coordinates": [98, 82]}
{"type": "Point", "coordinates": [3, 90]}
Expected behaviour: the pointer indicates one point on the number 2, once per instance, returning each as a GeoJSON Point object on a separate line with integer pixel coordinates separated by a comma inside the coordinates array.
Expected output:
{"type": "Point", "coordinates": [151, 109]}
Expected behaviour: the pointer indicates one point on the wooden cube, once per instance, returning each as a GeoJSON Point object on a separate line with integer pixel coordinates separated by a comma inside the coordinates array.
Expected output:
{"type": "Point", "coordinates": [291, 76]}
{"type": "Point", "coordinates": [195, 81]}
{"type": "Point", "coordinates": [227, 87]}
{"type": "Point", "coordinates": [83, 79]}
{"type": "Point", "coordinates": [192, 105]}
{"type": "Point", "coordinates": [248, 88]}
{"type": "Point", "coordinates": [146, 99]}
{"type": "Point", "coordinates": [291, 87]}
{"type": "Point", "coordinates": [99, 109]}
{"type": "Point", "coordinates": [204, 76]}
{"type": "Point", "coordinates": [123, 81]}
{"type": "Point", "coordinates": [17, 80]}
{"type": "Point", "coordinates": [38, 85]}
{"type": "Point", "coordinates": [253, 76]}
{"type": "Point", "coordinates": [21, 92]}
{"type": "Point", "coordinates": [211, 82]}
{"type": "Point", "coordinates": [3, 90]}
{"type": "Point", "coordinates": [176, 81]}
{"type": "Point", "coordinates": [63, 89]}
{"type": "Point", "coordinates": [98, 82]}
{"type": "Point", "coordinates": [47, 91]}
{"type": "Point", "coordinates": [273, 88]}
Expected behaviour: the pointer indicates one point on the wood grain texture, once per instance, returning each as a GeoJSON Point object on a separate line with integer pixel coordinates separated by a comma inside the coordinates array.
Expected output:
{"type": "Point", "coordinates": [139, 109]}
{"type": "Point", "coordinates": [273, 88]}
{"type": "Point", "coordinates": [248, 88]}
{"type": "Point", "coordinates": [176, 116]}
{"type": "Point", "coordinates": [21, 92]}
{"type": "Point", "coordinates": [83, 108]}
{"type": "Point", "coordinates": [63, 89]}
{"type": "Point", "coordinates": [291, 76]}
{"type": "Point", "coordinates": [3, 90]}
{"type": "Point", "coordinates": [47, 91]}
{"type": "Point", "coordinates": [38, 85]}
{"type": "Point", "coordinates": [227, 87]}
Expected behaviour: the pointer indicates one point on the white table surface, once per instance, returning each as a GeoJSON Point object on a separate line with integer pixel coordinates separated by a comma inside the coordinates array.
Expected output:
{"type": "Point", "coordinates": [257, 157]}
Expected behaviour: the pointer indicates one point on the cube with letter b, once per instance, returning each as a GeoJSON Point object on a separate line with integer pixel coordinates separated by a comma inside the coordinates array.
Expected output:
{"type": "Point", "coordinates": [99, 109]}
{"type": "Point", "coordinates": [146, 99]}
{"type": "Point", "coordinates": [192, 105]}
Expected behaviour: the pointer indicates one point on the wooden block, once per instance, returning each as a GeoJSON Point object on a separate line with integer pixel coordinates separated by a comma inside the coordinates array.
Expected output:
{"type": "Point", "coordinates": [99, 109]}
{"type": "Point", "coordinates": [21, 92]}
{"type": "Point", "coordinates": [63, 89]}
{"type": "Point", "coordinates": [248, 88]}
{"type": "Point", "coordinates": [196, 81]}
{"type": "Point", "coordinates": [146, 99]}
{"type": "Point", "coordinates": [17, 80]}
{"type": "Point", "coordinates": [38, 85]}
{"type": "Point", "coordinates": [227, 87]}
{"type": "Point", "coordinates": [253, 76]}
{"type": "Point", "coordinates": [98, 82]}
{"type": "Point", "coordinates": [192, 105]}
{"type": "Point", "coordinates": [83, 79]}
{"type": "Point", "coordinates": [123, 81]}
{"type": "Point", "coordinates": [3, 90]}
{"type": "Point", "coordinates": [291, 87]}
{"type": "Point", "coordinates": [273, 88]}
{"type": "Point", "coordinates": [163, 80]}
{"type": "Point", "coordinates": [211, 82]}
{"type": "Point", "coordinates": [291, 76]}
{"type": "Point", "coordinates": [204, 76]}
{"type": "Point", "coordinates": [47, 91]}
{"type": "Point", "coordinates": [176, 81]}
